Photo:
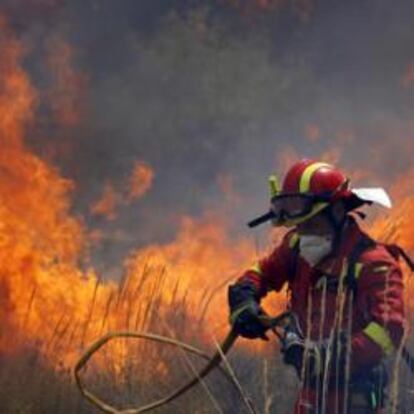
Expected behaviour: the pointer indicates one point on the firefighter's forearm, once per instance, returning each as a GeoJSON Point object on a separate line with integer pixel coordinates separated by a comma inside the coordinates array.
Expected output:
{"type": "Point", "coordinates": [257, 283]}
{"type": "Point", "coordinates": [242, 292]}
{"type": "Point", "coordinates": [381, 298]}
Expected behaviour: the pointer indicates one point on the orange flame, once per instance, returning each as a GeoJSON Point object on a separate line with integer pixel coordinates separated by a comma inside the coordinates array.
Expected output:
{"type": "Point", "coordinates": [39, 240]}
{"type": "Point", "coordinates": [45, 297]}
{"type": "Point", "coordinates": [106, 206]}
{"type": "Point", "coordinates": [140, 180]}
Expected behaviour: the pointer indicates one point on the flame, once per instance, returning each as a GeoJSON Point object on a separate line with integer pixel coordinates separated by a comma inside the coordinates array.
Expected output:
{"type": "Point", "coordinates": [106, 206]}
{"type": "Point", "coordinates": [46, 298]}
{"type": "Point", "coordinates": [40, 241]}
{"type": "Point", "coordinates": [397, 226]}
{"type": "Point", "coordinates": [140, 180]}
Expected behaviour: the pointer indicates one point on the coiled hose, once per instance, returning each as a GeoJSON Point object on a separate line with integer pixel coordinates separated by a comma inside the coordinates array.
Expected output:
{"type": "Point", "coordinates": [213, 362]}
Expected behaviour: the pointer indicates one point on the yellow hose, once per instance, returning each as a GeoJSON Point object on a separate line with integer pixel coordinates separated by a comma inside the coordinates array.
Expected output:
{"type": "Point", "coordinates": [213, 363]}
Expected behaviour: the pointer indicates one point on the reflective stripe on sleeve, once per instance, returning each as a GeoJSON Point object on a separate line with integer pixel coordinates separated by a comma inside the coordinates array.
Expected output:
{"type": "Point", "coordinates": [256, 268]}
{"type": "Point", "coordinates": [380, 336]}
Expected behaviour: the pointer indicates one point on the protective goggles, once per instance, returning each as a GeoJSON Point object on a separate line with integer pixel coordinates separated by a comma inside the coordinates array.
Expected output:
{"type": "Point", "coordinates": [290, 207]}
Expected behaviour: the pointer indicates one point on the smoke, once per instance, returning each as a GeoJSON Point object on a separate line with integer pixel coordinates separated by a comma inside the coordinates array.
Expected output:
{"type": "Point", "coordinates": [207, 98]}
{"type": "Point", "coordinates": [253, 8]}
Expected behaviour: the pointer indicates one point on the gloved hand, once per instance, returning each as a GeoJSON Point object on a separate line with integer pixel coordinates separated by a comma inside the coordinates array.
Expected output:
{"type": "Point", "coordinates": [295, 350]}
{"type": "Point", "coordinates": [245, 311]}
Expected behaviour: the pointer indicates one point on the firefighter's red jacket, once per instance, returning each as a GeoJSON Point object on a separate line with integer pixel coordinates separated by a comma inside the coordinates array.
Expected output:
{"type": "Point", "coordinates": [373, 313]}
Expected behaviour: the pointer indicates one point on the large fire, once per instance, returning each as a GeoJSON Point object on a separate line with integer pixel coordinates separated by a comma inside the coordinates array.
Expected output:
{"type": "Point", "coordinates": [47, 299]}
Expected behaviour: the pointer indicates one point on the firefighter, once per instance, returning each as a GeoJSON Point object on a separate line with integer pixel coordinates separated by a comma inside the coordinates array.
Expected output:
{"type": "Point", "coordinates": [345, 291]}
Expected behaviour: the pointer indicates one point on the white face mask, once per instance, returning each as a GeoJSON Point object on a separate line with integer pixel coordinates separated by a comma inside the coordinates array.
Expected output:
{"type": "Point", "coordinates": [314, 248]}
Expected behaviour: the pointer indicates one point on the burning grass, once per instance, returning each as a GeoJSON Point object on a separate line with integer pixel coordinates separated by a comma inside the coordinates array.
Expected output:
{"type": "Point", "coordinates": [135, 372]}
{"type": "Point", "coordinates": [130, 373]}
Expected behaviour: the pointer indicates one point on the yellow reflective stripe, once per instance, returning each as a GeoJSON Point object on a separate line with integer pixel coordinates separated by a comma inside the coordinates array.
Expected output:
{"type": "Point", "coordinates": [316, 209]}
{"type": "Point", "coordinates": [256, 268]}
{"type": "Point", "coordinates": [380, 336]}
{"type": "Point", "coordinates": [305, 180]}
{"type": "Point", "coordinates": [358, 269]}
{"type": "Point", "coordinates": [294, 240]}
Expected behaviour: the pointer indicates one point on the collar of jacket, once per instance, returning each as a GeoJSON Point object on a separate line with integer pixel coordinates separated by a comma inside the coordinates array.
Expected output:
{"type": "Point", "coordinates": [351, 233]}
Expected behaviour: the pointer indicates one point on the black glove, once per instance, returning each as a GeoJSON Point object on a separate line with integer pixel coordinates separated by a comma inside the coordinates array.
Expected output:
{"type": "Point", "coordinates": [294, 349]}
{"type": "Point", "coordinates": [245, 311]}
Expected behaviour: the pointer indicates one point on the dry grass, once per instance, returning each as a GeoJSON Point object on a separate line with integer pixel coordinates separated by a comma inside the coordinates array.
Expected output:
{"type": "Point", "coordinates": [29, 384]}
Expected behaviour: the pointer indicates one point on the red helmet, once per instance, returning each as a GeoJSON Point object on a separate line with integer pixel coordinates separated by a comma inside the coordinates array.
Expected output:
{"type": "Point", "coordinates": [308, 188]}
{"type": "Point", "coordinates": [311, 177]}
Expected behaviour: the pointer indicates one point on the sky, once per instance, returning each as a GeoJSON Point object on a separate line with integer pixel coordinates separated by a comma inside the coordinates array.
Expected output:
{"type": "Point", "coordinates": [213, 96]}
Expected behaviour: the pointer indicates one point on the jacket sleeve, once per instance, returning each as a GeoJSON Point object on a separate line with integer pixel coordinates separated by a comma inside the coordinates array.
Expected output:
{"type": "Point", "coordinates": [380, 298]}
{"type": "Point", "coordinates": [273, 271]}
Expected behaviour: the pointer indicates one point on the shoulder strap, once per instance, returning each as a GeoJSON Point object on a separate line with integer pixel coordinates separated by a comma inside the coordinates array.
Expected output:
{"type": "Point", "coordinates": [364, 244]}
{"type": "Point", "coordinates": [360, 247]}
{"type": "Point", "coordinates": [294, 246]}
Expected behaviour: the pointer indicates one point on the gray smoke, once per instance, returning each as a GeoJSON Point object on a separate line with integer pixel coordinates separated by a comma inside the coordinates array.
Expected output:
{"type": "Point", "coordinates": [201, 92]}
